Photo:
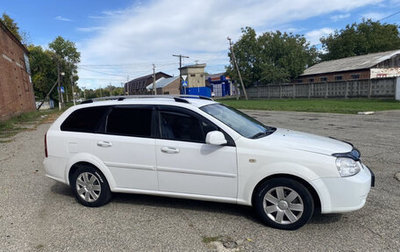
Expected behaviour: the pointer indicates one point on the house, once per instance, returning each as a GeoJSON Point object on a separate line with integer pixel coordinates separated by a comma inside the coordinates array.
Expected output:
{"type": "Point", "coordinates": [16, 89]}
{"type": "Point", "coordinates": [369, 66]}
{"type": "Point", "coordinates": [194, 77]}
{"type": "Point", "coordinates": [138, 86]}
{"type": "Point", "coordinates": [166, 86]}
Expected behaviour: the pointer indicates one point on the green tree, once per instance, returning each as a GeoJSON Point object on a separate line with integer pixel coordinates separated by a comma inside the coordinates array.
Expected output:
{"type": "Point", "coordinates": [273, 57]}
{"type": "Point", "coordinates": [67, 56]}
{"type": "Point", "coordinates": [43, 72]}
{"type": "Point", "coordinates": [11, 25]}
{"type": "Point", "coordinates": [359, 39]}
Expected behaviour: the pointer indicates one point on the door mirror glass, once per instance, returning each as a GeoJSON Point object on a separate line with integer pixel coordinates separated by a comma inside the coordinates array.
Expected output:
{"type": "Point", "coordinates": [215, 138]}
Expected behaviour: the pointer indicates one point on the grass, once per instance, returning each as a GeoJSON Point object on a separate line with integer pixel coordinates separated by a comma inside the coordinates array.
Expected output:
{"type": "Point", "coordinates": [344, 106]}
{"type": "Point", "coordinates": [209, 239]}
{"type": "Point", "coordinates": [24, 121]}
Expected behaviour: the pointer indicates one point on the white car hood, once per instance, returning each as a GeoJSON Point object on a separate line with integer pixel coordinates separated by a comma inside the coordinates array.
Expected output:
{"type": "Point", "coordinates": [307, 142]}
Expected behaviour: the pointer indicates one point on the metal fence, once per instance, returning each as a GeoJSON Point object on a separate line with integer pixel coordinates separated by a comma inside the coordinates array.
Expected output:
{"type": "Point", "coordinates": [374, 88]}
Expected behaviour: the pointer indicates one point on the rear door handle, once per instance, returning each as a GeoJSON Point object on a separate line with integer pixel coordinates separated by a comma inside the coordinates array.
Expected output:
{"type": "Point", "coordinates": [170, 150]}
{"type": "Point", "coordinates": [104, 144]}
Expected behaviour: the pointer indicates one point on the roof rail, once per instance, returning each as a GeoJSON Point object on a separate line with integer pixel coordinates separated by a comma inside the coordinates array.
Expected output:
{"type": "Point", "coordinates": [177, 98]}
{"type": "Point", "coordinates": [87, 101]}
{"type": "Point", "coordinates": [196, 96]}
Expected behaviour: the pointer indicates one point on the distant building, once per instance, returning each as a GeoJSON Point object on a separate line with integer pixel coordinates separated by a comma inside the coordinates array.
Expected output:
{"type": "Point", "coordinates": [16, 89]}
{"type": "Point", "coordinates": [195, 79]}
{"type": "Point", "coordinates": [221, 85]}
{"type": "Point", "coordinates": [166, 86]}
{"type": "Point", "coordinates": [370, 66]}
{"type": "Point", "coordinates": [195, 75]}
{"type": "Point", "coordinates": [138, 86]}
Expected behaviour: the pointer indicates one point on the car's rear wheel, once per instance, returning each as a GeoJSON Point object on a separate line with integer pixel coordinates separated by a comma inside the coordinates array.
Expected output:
{"type": "Point", "coordinates": [90, 187]}
{"type": "Point", "coordinates": [284, 203]}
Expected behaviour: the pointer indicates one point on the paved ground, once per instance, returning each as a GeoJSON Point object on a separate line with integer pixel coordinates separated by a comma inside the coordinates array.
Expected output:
{"type": "Point", "coordinates": [37, 213]}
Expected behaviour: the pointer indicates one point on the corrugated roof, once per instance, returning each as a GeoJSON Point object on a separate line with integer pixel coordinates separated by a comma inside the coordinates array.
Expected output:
{"type": "Point", "coordinates": [162, 82]}
{"type": "Point", "coordinates": [350, 63]}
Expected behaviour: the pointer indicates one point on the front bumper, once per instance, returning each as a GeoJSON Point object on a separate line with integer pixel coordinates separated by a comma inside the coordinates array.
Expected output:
{"type": "Point", "coordinates": [345, 194]}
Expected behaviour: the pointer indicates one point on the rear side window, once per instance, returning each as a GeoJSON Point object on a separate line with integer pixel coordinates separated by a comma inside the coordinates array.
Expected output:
{"type": "Point", "coordinates": [84, 120]}
{"type": "Point", "coordinates": [130, 122]}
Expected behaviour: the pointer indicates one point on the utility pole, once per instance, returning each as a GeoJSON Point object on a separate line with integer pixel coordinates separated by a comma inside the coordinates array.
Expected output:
{"type": "Point", "coordinates": [59, 85]}
{"type": "Point", "coordinates": [237, 68]}
{"type": "Point", "coordinates": [72, 86]}
{"type": "Point", "coordinates": [154, 80]}
{"type": "Point", "coordinates": [180, 66]}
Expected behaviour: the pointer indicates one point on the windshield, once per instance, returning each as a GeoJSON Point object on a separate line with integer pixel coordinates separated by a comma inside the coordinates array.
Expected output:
{"type": "Point", "coordinates": [238, 121]}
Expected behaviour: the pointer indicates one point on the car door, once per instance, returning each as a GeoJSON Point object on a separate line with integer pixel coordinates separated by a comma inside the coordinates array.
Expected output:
{"type": "Point", "coordinates": [127, 147]}
{"type": "Point", "coordinates": [185, 163]}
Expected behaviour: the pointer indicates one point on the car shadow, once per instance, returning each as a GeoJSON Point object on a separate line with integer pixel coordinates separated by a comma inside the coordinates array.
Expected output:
{"type": "Point", "coordinates": [193, 205]}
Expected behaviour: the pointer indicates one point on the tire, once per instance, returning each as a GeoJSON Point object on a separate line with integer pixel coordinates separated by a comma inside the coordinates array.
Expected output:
{"type": "Point", "coordinates": [90, 187]}
{"type": "Point", "coordinates": [284, 203]}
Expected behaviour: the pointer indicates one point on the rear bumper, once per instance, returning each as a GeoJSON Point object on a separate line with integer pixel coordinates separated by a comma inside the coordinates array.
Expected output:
{"type": "Point", "coordinates": [345, 194]}
{"type": "Point", "coordinates": [54, 169]}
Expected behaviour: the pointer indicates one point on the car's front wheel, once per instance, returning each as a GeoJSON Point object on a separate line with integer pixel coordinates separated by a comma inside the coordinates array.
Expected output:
{"type": "Point", "coordinates": [284, 203]}
{"type": "Point", "coordinates": [90, 187]}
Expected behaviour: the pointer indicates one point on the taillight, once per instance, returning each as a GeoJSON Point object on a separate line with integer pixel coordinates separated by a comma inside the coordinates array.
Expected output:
{"type": "Point", "coordinates": [45, 145]}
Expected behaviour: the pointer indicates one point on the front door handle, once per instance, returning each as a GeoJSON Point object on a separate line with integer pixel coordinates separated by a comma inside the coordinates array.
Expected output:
{"type": "Point", "coordinates": [170, 150]}
{"type": "Point", "coordinates": [104, 144]}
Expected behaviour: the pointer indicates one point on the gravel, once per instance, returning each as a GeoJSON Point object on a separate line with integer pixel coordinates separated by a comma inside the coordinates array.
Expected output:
{"type": "Point", "coordinates": [39, 214]}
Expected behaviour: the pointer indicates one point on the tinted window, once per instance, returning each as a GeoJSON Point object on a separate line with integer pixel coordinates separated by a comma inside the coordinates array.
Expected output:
{"type": "Point", "coordinates": [84, 120]}
{"type": "Point", "coordinates": [130, 121]}
{"type": "Point", "coordinates": [180, 126]}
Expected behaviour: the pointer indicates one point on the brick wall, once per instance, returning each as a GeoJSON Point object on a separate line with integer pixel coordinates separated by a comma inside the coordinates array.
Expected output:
{"type": "Point", "coordinates": [16, 90]}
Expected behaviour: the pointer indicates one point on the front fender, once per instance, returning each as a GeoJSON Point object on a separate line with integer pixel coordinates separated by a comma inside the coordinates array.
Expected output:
{"type": "Point", "coordinates": [89, 158]}
{"type": "Point", "coordinates": [249, 183]}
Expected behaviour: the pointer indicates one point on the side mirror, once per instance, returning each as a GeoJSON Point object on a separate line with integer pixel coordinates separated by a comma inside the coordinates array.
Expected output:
{"type": "Point", "coordinates": [215, 138]}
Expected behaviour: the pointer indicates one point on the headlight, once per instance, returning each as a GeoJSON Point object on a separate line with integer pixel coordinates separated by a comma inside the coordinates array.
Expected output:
{"type": "Point", "coordinates": [347, 167]}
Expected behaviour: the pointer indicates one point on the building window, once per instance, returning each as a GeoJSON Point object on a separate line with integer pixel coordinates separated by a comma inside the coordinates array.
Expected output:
{"type": "Point", "coordinates": [311, 80]}
{"type": "Point", "coordinates": [300, 81]}
{"type": "Point", "coordinates": [338, 77]}
{"type": "Point", "coordinates": [355, 76]}
{"type": "Point", "coordinates": [323, 79]}
{"type": "Point", "coordinates": [192, 75]}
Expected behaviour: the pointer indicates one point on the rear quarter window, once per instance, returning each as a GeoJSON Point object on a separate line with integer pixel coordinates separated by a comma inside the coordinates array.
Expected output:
{"type": "Point", "coordinates": [85, 119]}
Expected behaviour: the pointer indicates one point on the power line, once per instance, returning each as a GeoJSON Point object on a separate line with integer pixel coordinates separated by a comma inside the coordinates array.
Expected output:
{"type": "Point", "coordinates": [391, 15]}
{"type": "Point", "coordinates": [100, 72]}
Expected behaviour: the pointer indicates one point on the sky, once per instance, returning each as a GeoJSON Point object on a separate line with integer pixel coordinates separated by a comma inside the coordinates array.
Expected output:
{"type": "Point", "coordinates": [120, 39]}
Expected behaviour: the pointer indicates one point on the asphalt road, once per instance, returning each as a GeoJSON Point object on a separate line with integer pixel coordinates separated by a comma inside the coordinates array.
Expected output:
{"type": "Point", "coordinates": [39, 214]}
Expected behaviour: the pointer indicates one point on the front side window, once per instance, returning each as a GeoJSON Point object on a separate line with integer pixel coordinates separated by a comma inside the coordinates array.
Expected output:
{"type": "Point", "coordinates": [85, 119]}
{"type": "Point", "coordinates": [238, 121]}
{"type": "Point", "coordinates": [129, 121]}
{"type": "Point", "coordinates": [180, 126]}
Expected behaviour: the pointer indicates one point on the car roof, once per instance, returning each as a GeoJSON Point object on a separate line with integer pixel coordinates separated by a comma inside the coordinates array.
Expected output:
{"type": "Point", "coordinates": [196, 101]}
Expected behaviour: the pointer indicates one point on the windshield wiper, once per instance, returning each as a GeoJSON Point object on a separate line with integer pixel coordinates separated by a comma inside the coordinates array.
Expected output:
{"type": "Point", "coordinates": [259, 134]}
{"type": "Point", "coordinates": [267, 132]}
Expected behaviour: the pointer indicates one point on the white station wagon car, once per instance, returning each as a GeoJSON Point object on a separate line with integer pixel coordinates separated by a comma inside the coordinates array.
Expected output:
{"type": "Point", "coordinates": [196, 148]}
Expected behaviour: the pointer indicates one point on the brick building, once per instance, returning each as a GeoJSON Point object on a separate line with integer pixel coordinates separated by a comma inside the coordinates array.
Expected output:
{"type": "Point", "coordinates": [16, 89]}
{"type": "Point", "coordinates": [166, 86]}
{"type": "Point", "coordinates": [370, 66]}
{"type": "Point", "coordinates": [138, 86]}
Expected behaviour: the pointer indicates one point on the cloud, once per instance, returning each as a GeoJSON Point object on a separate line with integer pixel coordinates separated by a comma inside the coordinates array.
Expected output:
{"type": "Point", "coordinates": [60, 18]}
{"type": "Point", "coordinates": [152, 31]}
{"type": "Point", "coordinates": [375, 15]}
{"type": "Point", "coordinates": [314, 35]}
{"type": "Point", "coordinates": [339, 17]}
{"type": "Point", "coordinates": [90, 29]}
